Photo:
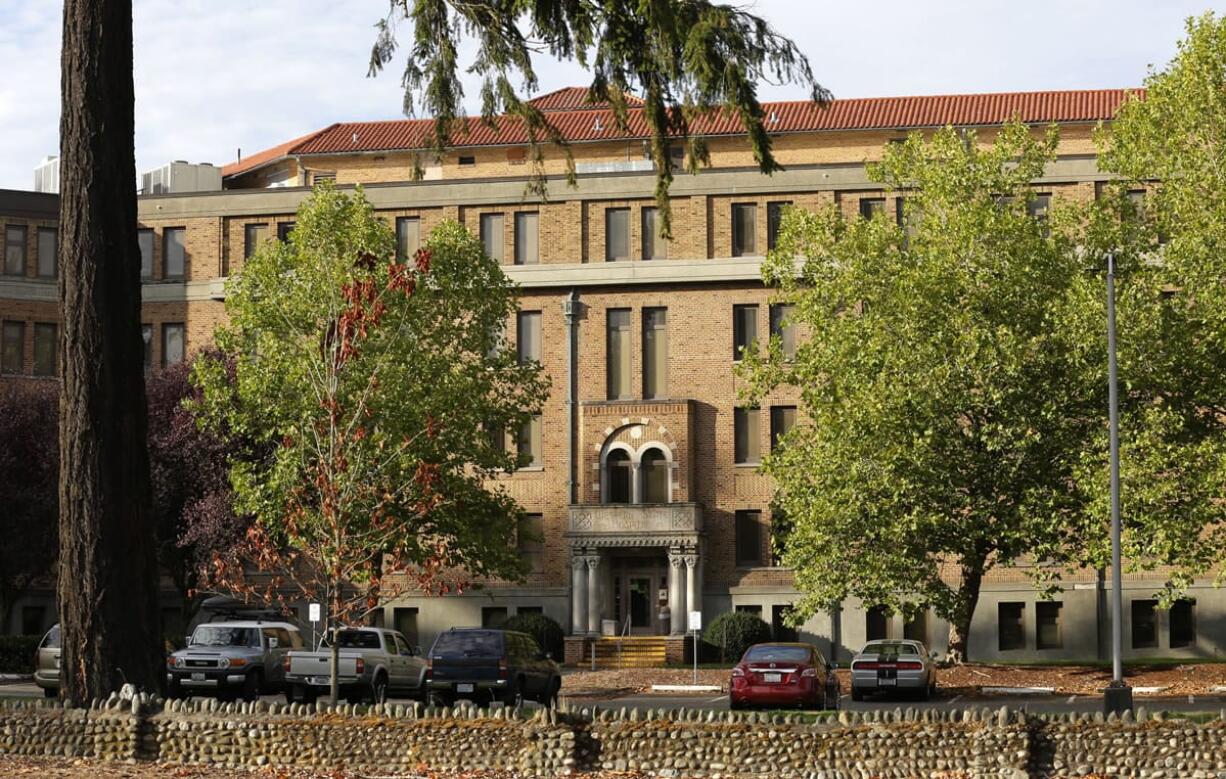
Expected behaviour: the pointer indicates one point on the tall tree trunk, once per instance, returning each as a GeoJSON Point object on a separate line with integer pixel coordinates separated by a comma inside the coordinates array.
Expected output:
{"type": "Point", "coordinates": [960, 624]}
{"type": "Point", "coordinates": [108, 583]}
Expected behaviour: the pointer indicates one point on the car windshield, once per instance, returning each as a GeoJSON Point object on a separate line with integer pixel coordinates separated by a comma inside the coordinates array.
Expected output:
{"type": "Point", "coordinates": [52, 639]}
{"type": "Point", "coordinates": [786, 654]}
{"type": "Point", "coordinates": [357, 639]}
{"type": "Point", "coordinates": [221, 635]}
{"type": "Point", "coordinates": [890, 648]}
{"type": "Point", "coordinates": [468, 643]}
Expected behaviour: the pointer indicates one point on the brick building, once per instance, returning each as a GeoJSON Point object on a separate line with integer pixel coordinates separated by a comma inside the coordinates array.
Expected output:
{"type": "Point", "coordinates": [643, 483]}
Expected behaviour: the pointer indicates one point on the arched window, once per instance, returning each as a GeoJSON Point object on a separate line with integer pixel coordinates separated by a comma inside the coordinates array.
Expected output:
{"type": "Point", "coordinates": [654, 468]}
{"type": "Point", "coordinates": [617, 468]}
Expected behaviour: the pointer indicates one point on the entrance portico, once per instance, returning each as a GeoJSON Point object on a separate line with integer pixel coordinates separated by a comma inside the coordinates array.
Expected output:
{"type": "Point", "coordinates": [637, 567]}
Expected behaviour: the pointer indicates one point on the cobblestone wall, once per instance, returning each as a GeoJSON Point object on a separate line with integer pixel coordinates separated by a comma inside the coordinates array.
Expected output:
{"type": "Point", "coordinates": [389, 740]}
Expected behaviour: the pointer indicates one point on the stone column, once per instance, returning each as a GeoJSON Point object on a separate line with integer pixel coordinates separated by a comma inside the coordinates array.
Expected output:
{"type": "Point", "coordinates": [693, 598]}
{"type": "Point", "coordinates": [636, 487]}
{"type": "Point", "coordinates": [578, 594]}
{"type": "Point", "coordinates": [593, 594]}
{"type": "Point", "coordinates": [676, 595]}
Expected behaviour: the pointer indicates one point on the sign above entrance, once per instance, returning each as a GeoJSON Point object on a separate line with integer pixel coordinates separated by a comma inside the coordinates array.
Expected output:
{"type": "Point", "coordinates": [695, 620]}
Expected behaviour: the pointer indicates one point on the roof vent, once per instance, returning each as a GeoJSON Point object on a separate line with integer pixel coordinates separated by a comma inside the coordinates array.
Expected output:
{"type": "Point", "coordinates": [355, 137]}
{"type": "Point", "coordinates": [596, 125]}
{"type": "Point", "coordinates": [774, 117]}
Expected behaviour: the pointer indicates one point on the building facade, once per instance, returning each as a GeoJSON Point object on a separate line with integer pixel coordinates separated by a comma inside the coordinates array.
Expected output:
{"type": "Point", "coordinates": [643, 494]}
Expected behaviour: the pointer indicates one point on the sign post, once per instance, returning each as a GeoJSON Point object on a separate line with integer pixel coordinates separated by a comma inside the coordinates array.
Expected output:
{"type": "Point", "coordinates": [695, 628]}
{"type": "Point", "coordinates": [313, 614]}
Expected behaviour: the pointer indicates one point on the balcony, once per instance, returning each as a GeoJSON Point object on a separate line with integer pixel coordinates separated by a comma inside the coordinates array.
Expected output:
{"type": "Point", "coordinates": [635, 522]}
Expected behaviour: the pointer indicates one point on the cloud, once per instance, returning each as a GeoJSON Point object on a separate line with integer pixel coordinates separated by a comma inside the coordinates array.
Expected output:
{"type": "Point", "coordinates": [216, 75]}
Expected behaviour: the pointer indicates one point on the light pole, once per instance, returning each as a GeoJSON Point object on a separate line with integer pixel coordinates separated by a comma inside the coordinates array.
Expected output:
{"type": "Point", "coordinates": [1118, 695]}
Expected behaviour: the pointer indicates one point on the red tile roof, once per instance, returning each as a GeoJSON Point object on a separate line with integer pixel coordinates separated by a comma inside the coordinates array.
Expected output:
{"type": "Point", "coordinates": [573, 98]}
{"type": "Point", "coordinates": [259, 159]}
{"type": "Point", "coordinates": [593, 123]}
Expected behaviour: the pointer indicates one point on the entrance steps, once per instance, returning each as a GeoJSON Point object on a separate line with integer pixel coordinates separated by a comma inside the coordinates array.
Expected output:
{"type": "Point", "coordinates": [631, 652]}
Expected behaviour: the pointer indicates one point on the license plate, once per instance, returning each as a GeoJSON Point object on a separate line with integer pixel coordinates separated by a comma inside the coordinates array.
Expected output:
{"type": "Point", "coordinates": [884, 682]}
{"type": "Point", "coordinates": [198, 677]}
{"type": "Point", "coordinates": [772, 678]}
{"type": "Point", "coordinates": [463, 688]}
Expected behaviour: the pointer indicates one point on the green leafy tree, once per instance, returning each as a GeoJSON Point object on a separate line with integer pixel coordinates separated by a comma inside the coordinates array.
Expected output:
{"type": "Point", "coordinates": [944, 411]}
{"type": "Point", "coordinates": [1170, 143]}
{"type": "Point", "coordinates": [687, 59]}
{"type": "Point", "coordinates": [374, 383]}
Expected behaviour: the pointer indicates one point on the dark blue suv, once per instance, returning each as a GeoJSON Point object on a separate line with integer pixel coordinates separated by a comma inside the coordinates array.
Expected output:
{"type": "Point", "coordinates": [485, 665]}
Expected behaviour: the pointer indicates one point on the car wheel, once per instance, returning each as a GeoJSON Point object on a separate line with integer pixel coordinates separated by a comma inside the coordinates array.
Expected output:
{"type": "Point", "coordinates": [514, 697]}
{"type": "Point", "coordinates": [251, 687]}
{"type": "Point", "coordinates": [174, 689]}
{"type": "Point", "coordinates": [437, 699]}
{"type": "Point", "coordinates": [735, 705]}
{"type": "Point", "coordinates": [857, 694]}
{"type": "Point", "coordinates": [50, 692]}
{"type": "Point", "coordinates": [378, 689]}
{"type": "Point", "coordinates": [550, 698]}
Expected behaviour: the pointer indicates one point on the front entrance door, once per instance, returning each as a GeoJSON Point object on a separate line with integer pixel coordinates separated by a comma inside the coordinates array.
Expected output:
{"type": "Point", "coordinates": [641, 616]}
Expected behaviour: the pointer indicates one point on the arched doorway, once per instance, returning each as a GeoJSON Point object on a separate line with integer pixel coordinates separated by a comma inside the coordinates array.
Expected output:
{"type": "Point", "coordinates": [654, 469]}
{"type": "Point", "coordinates": [617, 466]}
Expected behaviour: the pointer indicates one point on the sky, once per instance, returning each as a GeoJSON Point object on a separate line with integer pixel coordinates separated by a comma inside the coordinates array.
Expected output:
{"type": "Point", "coordinates": [216, 76]}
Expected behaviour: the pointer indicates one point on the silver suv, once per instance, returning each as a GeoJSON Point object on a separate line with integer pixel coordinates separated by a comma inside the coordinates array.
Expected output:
{"type": "Point", "coordinates": [231, 658]}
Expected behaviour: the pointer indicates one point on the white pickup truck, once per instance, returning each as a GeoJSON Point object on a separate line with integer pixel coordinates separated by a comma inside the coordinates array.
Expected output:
{"type": "Point", "coordinates": [373, 664]}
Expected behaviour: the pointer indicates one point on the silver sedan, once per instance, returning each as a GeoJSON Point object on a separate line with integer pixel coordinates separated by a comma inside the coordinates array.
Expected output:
{"type": "Point", "coordinates": [893, 666]}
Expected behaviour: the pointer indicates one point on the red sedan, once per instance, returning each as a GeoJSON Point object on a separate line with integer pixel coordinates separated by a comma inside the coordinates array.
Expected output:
{"type": "Point", "coordinates": [783, 675]}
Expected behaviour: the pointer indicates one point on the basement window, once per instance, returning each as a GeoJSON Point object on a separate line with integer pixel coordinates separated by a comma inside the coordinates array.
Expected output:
{"type": "Point", "coordinates": [1183, 623]}
{"type": "Point", "coordinates": [1144, 624]}
{"type": "Point", "coordinates": [468, 159]}
{"type": "Point", "coordinates": [1010, 633]}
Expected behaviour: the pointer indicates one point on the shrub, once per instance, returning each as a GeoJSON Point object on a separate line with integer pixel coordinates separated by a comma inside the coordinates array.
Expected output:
{"type": "Point", "coordinates": [547, 632]}
{"type": "Point", "coordinates": [734, 632]}
{"type": "Point", "coordinates": [17, 654]}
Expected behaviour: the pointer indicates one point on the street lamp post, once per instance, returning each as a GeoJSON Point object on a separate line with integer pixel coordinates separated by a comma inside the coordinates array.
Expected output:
{"type": "Point", "coordinates": [1118, 695]}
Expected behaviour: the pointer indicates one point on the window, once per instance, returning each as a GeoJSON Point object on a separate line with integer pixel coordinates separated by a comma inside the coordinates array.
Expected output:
{"type": "Point", "coordinates": [744, 329]}
{"type": "Point", "coordinates": [468, 159]}
{"type": "Point", "coordinates": [746, 450]}
{"type": "Point", "coordinates": [13, 347]}
{"type": "Point", "coordinates": [748, 538]}
{"type": "Point", "coordinates": [172, 344]}
{"type": "Point", "coordinates": [872, 206]}
{"type": "Point", "coordinates": [33, 620]}
{"type": "Point", "coordinates": [144, 238]}
{"type": "Point", "coordinates": [48, 249]}
{"type": "Point", "coordinates": [1009, 629]}
{"type": "Point", "coordinates": [916, 628]}
{"type": "Point", "coordinates": [1144, 624]}
{"type": "Point", "coordinates": [497, 436]}
{"type": "Point", "coordinates": [174, 255]}
{"type": "Point", "coordinates": [783, 328]}
{"type": "Point", "coordinates": [493, 616]}
{"type": "Point", "coordinates": [1047, 633]}
{"type": "Point", "coordinates": [15, 250]}
{"type": "Point", "coordinates": [491, 236]}
{"type": "Point", "coordinates": [654, 246]}
{"type": "Point", "coordinates": [408, 237]}
{"type": "Point", "coordinates": [284, 231]}
{"type": "Point", "coordinates": [774, 218]}
{"type": "Point", "coordinates": [782, 420]}
{"type": "Point", "coordinates": [528, 443]}
{"type": "Point", "coordinates": [1183, 623]}
{"type": "Point", "coordinates": [253, 236]}
{"type": "Point", "coordinates": [404, 621]}
{"type": "Point", "coordinates": [655, 353]}
{"type": "Point", "coordinates": [323, 175]}
{"type": "Point", "coordinates": [747, 608]}
{"type": "Point", "coordinates": [1038, 205]}
{"type": "Point", "coordinates": [146, 335]}
{"type": "Point", "coordinates": [526, 238]}
{"type": "Point", "coordinates": [528, 336]}
{"type": "Point", "coordinates": [876, 624]}
{"type": "Point", "coordinates": [616, 234]}
{"type": "Point", "coordinates": [45, 347]}
{"type": "Point", "coordinates": [780, 628]}
{"type": "Point", "coordinates": [531, 540]}
{"type": "Point", "coordinates": [617, 357]}
{"type": "Point", "coordinates": [654, 471]}
{"type": "Point", "coordinates": [744, 222]}
{"type": "Point", "coordinates": [617, 476]}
